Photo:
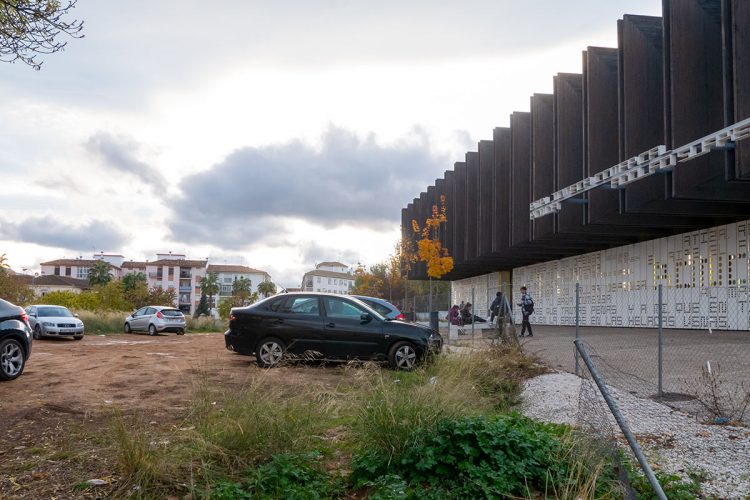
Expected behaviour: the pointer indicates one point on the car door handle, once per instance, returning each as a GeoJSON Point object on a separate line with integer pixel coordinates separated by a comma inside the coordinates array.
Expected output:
{"type": "Point", "coordinates": [330, 325]}
{"type": "Point", "coordinates": [278, 321]}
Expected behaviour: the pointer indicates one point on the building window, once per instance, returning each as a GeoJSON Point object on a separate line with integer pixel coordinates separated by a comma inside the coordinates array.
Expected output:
{"type": "Point", "coordinates": [57, 270]}
{"type": "Point", "coordinates": [67, 271]}
{"type": "Point", "coordinates": [318, 279]}
{"type": "Point", "coordinates": [227, 280]}
{"type": "Point", "coordinates": [82, 273]}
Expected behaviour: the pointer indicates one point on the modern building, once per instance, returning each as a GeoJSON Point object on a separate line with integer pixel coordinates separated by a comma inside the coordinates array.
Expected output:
{"type": "Point", "coordinates": [633, 174]}
{"type": "Point", "coordinates": [330, 277]}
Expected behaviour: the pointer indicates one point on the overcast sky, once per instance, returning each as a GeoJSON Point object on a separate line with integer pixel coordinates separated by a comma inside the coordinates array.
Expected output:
{"type": "Point", "coordinates": [270, 134]}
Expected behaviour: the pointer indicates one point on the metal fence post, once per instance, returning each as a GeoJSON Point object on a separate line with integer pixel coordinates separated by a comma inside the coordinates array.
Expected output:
{"type": "Point", "coordinates": [612, 404]}
{"type": "Point", "coordinates": [472, 313]}
{"type": "Point", "coordinates": [660, 390]}
{"type": "Point", "coordinates": [578, 314]}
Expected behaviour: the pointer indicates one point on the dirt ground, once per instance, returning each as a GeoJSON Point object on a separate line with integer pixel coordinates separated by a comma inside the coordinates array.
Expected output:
{"type": "Point", "coordinates": [70, 389]}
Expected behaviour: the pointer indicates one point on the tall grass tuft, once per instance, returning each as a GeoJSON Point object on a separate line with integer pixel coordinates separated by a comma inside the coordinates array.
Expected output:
{"type": "Point", "coordinates": [240, 428]}
{"type": "Point", "coordinates": [103, 323]}
{"type": "Point", "coordinates": [205, 324]}
{"type": "Point", "coordinates": [147, 462]}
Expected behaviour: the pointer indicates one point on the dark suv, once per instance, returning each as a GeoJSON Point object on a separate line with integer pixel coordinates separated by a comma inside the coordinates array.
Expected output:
{"type": "Point", "coordinates": [15, 340]}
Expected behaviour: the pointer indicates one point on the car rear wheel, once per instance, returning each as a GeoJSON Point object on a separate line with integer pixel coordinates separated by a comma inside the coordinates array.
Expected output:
{"type": "Point", "coordinates": [127, 328]}
{"type": "Point", "coordinates": [269, 352]}
{"type": "Point", "coordinates": [78, 337]}
{"type": "Point", "coordinates": [403, 356]}
{"type": "Point", "coordinates": [11, 359]}
{"type": "Point", "coordinates": [151, 330]}
{"type": "Point", "coordinates": [37, 332]}
{"type": "Point", "coordinates": [181, 332]}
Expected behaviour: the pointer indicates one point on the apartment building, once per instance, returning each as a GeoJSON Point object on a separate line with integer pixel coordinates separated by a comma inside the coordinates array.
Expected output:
{"type": "Point", "coordinates": [79, 268]}
{"type": "Point", "coordinates": [226, 275]}
{"type": "Point", "coordinates": [330, 277]}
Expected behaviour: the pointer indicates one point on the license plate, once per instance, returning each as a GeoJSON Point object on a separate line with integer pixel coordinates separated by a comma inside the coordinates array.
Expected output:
{"type": "Point", "coordinates": [67, 330]}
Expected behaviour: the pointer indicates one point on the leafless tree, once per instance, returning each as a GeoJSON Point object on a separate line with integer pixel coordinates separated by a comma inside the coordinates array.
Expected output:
{"type": "Point", "coordinates": [29, 28]}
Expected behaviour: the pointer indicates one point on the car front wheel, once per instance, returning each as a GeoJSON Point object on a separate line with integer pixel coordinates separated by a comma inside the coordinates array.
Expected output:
{"type": "Point", "coordinates": [403, 356]}
{"type": "Point", "coordinates": [127, 328]}
{"type": "Point", "coordinates": [37, 332]}
{"type": "Point", "coordinates": [11, 359]}
{"type": "Point", "coordinates": [269, 352]}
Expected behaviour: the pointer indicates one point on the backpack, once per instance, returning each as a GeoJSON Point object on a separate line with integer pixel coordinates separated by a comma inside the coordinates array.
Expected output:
{"type": "Point", "coordinates": [530, 307]}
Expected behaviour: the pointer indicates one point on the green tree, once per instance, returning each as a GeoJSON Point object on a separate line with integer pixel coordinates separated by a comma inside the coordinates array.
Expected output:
{"type": "Point", "coordinates": [157, 296]}
{"type": "Point", "coordinates": [133, 280]}
{"type": "Point", "coordinates": [63, 298]}
{"type": "Point", "coordinates": [99, 273]}
{"type": "Point", "coordinates": [202, 308]}
{"type": "Point", "coordinates": [267, 288]}
{"type": "Point", "coordinates": [210, 287]}
{"type": "Point", "coordinates": [241, 290]}
{"type": "Point", "coordinates": [11, 287]}
{"type": "Point", "coordinates": [225, 307]}
{"type": "Point", "coordinates": [111, 296]}
{"type": "Point", "coordinates": [31, 27]}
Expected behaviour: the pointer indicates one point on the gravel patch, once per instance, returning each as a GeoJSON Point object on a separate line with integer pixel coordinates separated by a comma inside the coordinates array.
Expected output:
{"type": "Point", "coordinates": [673, 441]}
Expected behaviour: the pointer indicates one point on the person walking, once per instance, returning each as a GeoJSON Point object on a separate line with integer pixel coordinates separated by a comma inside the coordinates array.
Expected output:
{"type": "Point", "coordinates": [498, 307]}
{"type": "Point", "coordinates": [527, 309]}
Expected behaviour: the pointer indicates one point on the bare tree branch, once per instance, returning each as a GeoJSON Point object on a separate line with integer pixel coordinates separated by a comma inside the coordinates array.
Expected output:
{"type": "Point", "coordinates": [29, 28]}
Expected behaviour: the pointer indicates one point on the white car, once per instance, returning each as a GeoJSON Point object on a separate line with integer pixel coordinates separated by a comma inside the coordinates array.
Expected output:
{"type": "Point", "coordinates": [156, 319]}
{"type": "Point", "coordinates": [54, 321]}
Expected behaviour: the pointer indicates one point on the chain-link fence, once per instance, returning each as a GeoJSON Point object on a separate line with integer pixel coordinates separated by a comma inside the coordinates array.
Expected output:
{"type": "Point", "coordinates": [675, 359]}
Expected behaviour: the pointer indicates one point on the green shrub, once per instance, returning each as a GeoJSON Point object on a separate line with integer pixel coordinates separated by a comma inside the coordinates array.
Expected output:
{"type": "Point", "coordinates": [475, 457]}
{"type": "Point", "coordinates": [288, 476]}
{"type": "Point", "coordinates": [673, 485]}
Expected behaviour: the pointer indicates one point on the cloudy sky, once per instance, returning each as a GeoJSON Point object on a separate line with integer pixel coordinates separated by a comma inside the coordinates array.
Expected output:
{"type": "Point", "coordinates": [271, 134]}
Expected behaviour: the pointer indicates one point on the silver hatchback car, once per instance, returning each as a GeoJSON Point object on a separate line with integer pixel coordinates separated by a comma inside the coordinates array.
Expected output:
{"type": "Point", "coordinates": [156, 319]}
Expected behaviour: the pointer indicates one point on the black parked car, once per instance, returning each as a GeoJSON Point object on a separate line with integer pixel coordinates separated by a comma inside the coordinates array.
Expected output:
{"type": "Point", "coordinates": [15, 340]}
{"type": "Point", "coordinates": [326, 326]}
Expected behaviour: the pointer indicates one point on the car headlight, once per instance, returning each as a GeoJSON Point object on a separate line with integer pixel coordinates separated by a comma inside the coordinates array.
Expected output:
{"type": "Point", "coordinates": [47, 323]}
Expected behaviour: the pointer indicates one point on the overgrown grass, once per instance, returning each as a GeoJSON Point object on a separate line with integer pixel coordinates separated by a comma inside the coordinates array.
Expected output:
{"type": "Point", "coordinates": [442, 431]}
{"type": "Point", "coordinates": [205, 324]}
{"type": "Point", "coordinates": [238, 429]}
{"type": "Point", "coordinates": [98, 323]}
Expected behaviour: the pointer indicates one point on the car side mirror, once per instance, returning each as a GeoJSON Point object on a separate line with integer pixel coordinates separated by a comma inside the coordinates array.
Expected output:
{"type": "Point", "coordinates": [365, 317]}
{"type": "Point", "coordinates": [33, 315]}
{"type": "Point", "coordinates": [76, 315]}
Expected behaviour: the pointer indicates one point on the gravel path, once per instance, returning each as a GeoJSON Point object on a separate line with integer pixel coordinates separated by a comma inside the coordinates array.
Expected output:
{"type": "Point", "coordinates": [673, 441]}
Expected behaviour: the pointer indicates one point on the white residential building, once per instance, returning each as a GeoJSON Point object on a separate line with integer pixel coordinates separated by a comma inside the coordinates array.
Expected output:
{"type": "Point", "coordinates": [77, 268]}
{"type": "Point", "coordinates": [226, 275]}
{"type": "Point", "coordinates": [330, 277]}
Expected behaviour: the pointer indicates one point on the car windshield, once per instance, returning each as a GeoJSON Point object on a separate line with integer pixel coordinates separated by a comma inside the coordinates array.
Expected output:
{"type": "Point", "coordinates": [54, 312]}
{"type": "Point", "coordinates": [171, 312]}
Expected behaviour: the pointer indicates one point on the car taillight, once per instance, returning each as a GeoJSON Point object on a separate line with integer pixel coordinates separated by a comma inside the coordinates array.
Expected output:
{"type": "Point", "coordinates": [232, 317]}
{"type": "Point", "coordinates": [25, 317]}
{"type": "Point", "coordinates": [159, 315]}
{"type": "Point", "coordinates": [401, 316]}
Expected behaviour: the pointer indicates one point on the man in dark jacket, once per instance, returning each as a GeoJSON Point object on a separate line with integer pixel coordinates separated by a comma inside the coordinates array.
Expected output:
{"type": "Point", "coordinates": [498, 307]}
{"type": "Point", "coordinates": [527, 308]}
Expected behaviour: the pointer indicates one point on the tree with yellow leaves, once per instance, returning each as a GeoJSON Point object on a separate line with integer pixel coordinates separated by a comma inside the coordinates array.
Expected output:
{"type": "Point", "coordinates": [429, 248]}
